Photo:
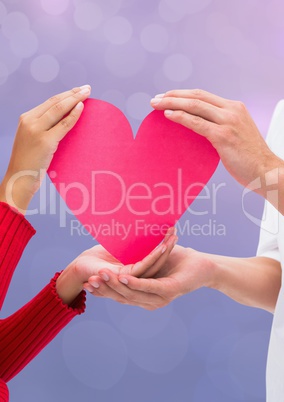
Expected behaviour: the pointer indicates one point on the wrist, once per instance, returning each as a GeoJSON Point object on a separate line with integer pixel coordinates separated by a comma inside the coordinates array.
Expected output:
{"type": "Point", "coordinates": [68, 285]}
{"type": "Point", "coordinates": [214, 268]}
{"type": "Point", "coordinates": [16, 192]}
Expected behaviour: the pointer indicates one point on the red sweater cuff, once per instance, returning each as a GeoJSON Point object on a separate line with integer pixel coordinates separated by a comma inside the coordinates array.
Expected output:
{"type": "Point", "coordinates": [4, 392]}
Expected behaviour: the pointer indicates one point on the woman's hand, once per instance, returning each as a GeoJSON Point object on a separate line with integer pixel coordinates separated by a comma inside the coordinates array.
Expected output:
{"type": "Point", "coordinates": [39, 132]}
{"type": "Point", "coordinates": [184, 270]}
{"type": "Point", "coordinates": [97, 260]}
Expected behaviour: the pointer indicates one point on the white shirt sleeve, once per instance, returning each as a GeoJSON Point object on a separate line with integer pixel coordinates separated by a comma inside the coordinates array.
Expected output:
{"type": "Point", "coordinates": [268, 243]}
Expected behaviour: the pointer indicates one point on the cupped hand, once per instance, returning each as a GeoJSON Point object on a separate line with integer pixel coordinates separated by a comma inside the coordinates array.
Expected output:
{"type": "Point", "coordinates": [98, 260]}
{"type": "Point", "coordinates": [184, 270]}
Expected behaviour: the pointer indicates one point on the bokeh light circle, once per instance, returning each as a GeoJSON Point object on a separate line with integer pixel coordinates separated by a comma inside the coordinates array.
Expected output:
{"type": "Point", "coordinates": [138, 105]}
{"type": "Point", "coordinates": [73, 74]}
{"type": "Point", "coordinates": [188, 7]}
{"type": "Point", "coordinates": [250, 350]}
{"type": "Point", "coordinates": [170, 14]}
{"type": "Point", "coordinates": [88, 16]}
{"type": "Point", "coordinates": [43, 262]}
{"type": "Point", "coordinates": [24, 43]}
{"type": "Point", "coordinates": [54, 7]}
{"type": "Point", "coordinates": [3, 12]}
{"type": "Point", "coordinates": [7, 57]}
{"type": "Point", "coordinates": [4, 73]}
{"type": "Point", "coordinates": [95, 354]}
{"type": "Point", "coordinates": [44, 68]}
{"type": "Point", "coordinates": [114, 97]}
{"type": "Point", "coordinates": [118, 30]}
{"type": "Point", "coordinates": [162, 352]}
{"type": "Point", "coordinates": [125, 60]}
{"type": "Point", "coordinates": [178, 67]}
{"type": "Point", "coordinates": [154, 38]}
{"type": "Point", "coordinates": [15, 21]}
{"type": "Point", "coordinates": [52, 41]}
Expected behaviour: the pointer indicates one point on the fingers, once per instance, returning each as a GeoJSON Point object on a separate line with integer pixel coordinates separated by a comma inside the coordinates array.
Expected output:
{"type": "Point", "coordinates": [193, 107]}
{"type": "Point", "coordinates": [56, 112]}
{"type": "Point", "coordinates": [152, 271]}
{"type": "Point", "coordinates": [197, 94]}
{"type": "Point", "coordinates": [195, 123]}
{"type": "Point", "coordinates": [38, 111]}
{"type": "Point", "coordinates": [66, 124]}
{"type": "Point", "coordinates": [160, 287]}
{"type": "Point", "coordinates": [153, 261]}
{"type": "Point", "coordinates": [108, 285]}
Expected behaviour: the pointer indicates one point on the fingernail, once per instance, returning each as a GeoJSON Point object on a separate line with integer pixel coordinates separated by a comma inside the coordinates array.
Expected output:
{"type": "Point", "coordinates": [170, 231]}
{"type": "Point", "coordinates": [88, 287]}
{"type": "Point", "coordinates": [160, 96]}
{"type": "Point", "coordinates": [104, 276]}
{"type": "Point", "coordinates": [168, 112]}
{"type": "Point", "coordinates": [85, 91]}
{"type": "Point", "coordinates": [95, 284]}
{"type": "Point", "coordinates": [86, 87]}
{"type": "Point", "coordinates": [155, 101]}
{"type": "Point", "coordinates": [123, 280]}
{"type": "Point", "coordinates": [79, 106]}
{"type": "Point", "coordinates": [163, 249]}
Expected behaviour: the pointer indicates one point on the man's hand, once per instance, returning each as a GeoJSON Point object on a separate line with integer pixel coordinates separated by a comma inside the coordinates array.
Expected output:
{"type": "Point", "coordinates": [183, 271]}
{"type": "Point", "coordinates": [231, 130]}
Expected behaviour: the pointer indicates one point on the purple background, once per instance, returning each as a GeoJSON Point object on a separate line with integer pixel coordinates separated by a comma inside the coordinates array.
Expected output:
{"type": "Point", "coordinates": [203, 347]}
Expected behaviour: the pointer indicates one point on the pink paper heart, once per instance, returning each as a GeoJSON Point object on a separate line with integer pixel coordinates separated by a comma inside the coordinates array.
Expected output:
{"type": "Point", "coordinates": [127, 191]}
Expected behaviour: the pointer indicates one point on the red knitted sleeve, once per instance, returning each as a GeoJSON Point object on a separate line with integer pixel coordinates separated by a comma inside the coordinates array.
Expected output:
{"type": "Point", "coordinates": [25, 333]}
{"type": "Point", "coordinates": [15, 232]}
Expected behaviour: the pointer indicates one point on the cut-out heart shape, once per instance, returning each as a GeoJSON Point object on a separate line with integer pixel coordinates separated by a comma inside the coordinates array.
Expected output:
{"type": "Point", "coordinates": [126, 191]}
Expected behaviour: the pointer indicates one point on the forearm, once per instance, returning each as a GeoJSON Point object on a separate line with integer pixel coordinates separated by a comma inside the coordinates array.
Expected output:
{"type": "Point", "coordinates": [251, 281]}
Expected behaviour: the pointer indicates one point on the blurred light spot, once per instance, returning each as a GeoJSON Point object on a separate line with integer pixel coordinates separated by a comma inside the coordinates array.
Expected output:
{"type": "Point", "coordinates": [154, 38]}
{"type": "Point", "coordinates": [177, 67]}
{"type": "Point", "coordinates": [163, 351]}
{"type": "Point", "coordinates": [7, 57]}
{"type": "Point", "coordinates": [4, 74]}
{"type": "Point", "coordinates": [125, 60]}
{"type": "Point", "coordinates": [188, 7]}
{"type": "Point", "coordinates": [54, 7]}
{"type": "Point", "coordinates": [170, 14]}
{"type": "Point", "coordinates": [3, 12]}
{"type": "Point", "coordinates": [45, 68]}
{"type": "Point", "coordinates": [118, 30]}
{"type": "Point", "coordinates": [52, 41]}
{"type": "Point", "coordinates": [138, 106]}
{"type": "Point", "coordinates": [95, 354]}
{"type": "Point", "coordinates": [88, 16]}
{"type": "Point", "coordinates": [24, 43]}
{"type": "Point", "coordinates": [114, 97]}
{"type": "Point", "coordinates": [47, 258]}
{"type": "Point", "coordinates": [248, 363]}
{"type": "Point", "coordinates": [15, 21]}
{"type": "Point", "coordinates": [73, 74]}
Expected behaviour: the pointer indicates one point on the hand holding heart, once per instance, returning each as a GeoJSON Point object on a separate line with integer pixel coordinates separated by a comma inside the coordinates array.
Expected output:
{"type": "Point", "coordinates": [39, 132]}
{"type": "Point", "coordinates": [230, 129]}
